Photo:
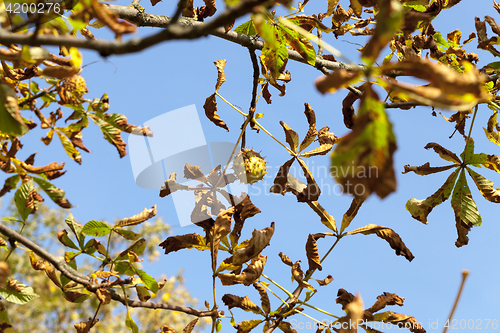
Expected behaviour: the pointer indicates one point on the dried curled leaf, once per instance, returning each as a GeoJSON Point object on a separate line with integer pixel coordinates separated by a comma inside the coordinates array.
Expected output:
{"type": "Point", "coordinates": [139, 218]}
{"type": "Point", "coordinates": [189, 328]}
{"type": "Point", "coordinates": [244, 303]}
{"type": "Point", "coordinates": [248, 249]}
{"type": "Point", "coordinates": [220, 64]}
{"type": "Point", "coordinates": [264, 299]}
{"type": "Point", "coordinates": [325, 281]}
{"type": "Point", "coordinates": [384, 300]}
{"type": "Point", "coordinates": [426, 169]}
{"type": "Point", "coordinates": [189, 241]}
{"type": "Point", "coordinates": [298, 275]}
{"type": "Point", "coordinates": [85, 326]}
{"type": "Point", "coordinates": [339, 78]}
{"type": "Point", "coordinates": [249, 274]}
{"type": "Point", "coordinates": [388, 235]}
{"type": "Point", "coordinates": [444, 153]}
{"type": "Point", "coordinates": [210, 108]}
{"type": "Point", "coordinates": [312, 252]}
{"type": "Point", "coordinates": [285, 259]}
{"type": "Point", "coordinates": [492, 130]}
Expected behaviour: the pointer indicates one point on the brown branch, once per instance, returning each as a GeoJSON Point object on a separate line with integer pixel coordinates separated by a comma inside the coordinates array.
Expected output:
{"type": "Point", "coordinates": [185, 28]}
{"type": "Point", "coordinates": [80, 278]}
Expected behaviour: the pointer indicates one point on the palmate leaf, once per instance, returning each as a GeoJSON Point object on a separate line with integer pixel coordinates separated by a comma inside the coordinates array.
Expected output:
{"type": "Point", "coordinates": [462, 203]}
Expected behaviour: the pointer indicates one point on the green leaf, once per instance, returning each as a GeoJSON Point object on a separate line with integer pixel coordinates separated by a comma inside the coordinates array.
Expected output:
{"type": "Point", "coordinates": [11, 121]}
{"type": "Point", "coordinates": [20, 198]}
{"type": "Point", "coordinates": [420, 209]}
{"type": "Point", "coordinates": [265, 30]}
{"type": "Point", "coordinates": [130, 323]}
{"type": "Point", "coordinates": [127, 234]}
{"type": "Point", "coordinates": [56, 194]}
{"type": "Point", "coordinates": [362, 160]}
{"type": "Point", "coordinates": [462, 203]}
{"type": "Point", "coordinates": [10, 219]}
{"type": "Point", "coordinates": [4, 320]}
{"type": "Point", "coordinates": [64, 279]}
{"type": "Point", "coordinates": [147, 279]}
{"type": "Point", "coordinates": [485, 186]}
{"type": "Point", "coordinates": [23, 296]}
{"type": "Point", "coordinates": [96, 228]}
{"type": "Point", "coordinates": [76, 229]}
{"type": "Point", "coordinates": [247, 28]}
{"type": "Point", "coordinates": [69, 147]}
{"type": "Point", "coordinates": [300, 44]}
{"type": "Point", "coordinates": [441, 42]}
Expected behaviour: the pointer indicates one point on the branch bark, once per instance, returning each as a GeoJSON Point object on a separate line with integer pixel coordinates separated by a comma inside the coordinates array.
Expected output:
{"type": "Point", "coordinates": [80, 278]}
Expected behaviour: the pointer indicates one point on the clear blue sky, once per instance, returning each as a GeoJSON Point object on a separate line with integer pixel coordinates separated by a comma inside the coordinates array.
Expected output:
{"type": "Point", "coordinates": [176, 74]}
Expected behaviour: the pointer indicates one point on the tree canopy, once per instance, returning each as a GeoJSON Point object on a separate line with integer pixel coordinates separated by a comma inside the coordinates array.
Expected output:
{"type": "Point", "coordinates": [406, 63]}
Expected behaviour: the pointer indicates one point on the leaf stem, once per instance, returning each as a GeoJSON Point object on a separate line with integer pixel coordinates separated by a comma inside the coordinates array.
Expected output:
{"type": "Point", "coordinates": [231, 105]}
{"type": "Point", "coordinates": [272, 136]}
{"type": "Point", "coordinates": [470, 132]}
{"type": "Point", "coordinates": [318, 309]}
{"type": "Point", "coordinates": [278, 285]}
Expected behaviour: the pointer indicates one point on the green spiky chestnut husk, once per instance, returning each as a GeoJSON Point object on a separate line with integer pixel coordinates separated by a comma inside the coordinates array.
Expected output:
{"type": "Point", "coordinates": [249, 166]}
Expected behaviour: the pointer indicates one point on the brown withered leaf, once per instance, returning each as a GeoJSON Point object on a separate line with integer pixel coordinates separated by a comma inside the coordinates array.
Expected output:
{"type": "Point", "coordinates": [426, 169]}
{"type": "Point", "coordinates": [244, 303]}
{"type": "Point", "coordinates": [340, 16]}
{"type": "Point", "coordinates": [244, 209]}
{"type": "Point", "coordinates": [446, 79]}
{"type": "Point", "coordinates": [210, 107]}
{"type": "Point", "coordinates": [284, 258]}
{"type": "Point", "coordinates": [171, 186]}
{"type": "Point", "coordinates": [248, 249]}
{"type": "Point", "coordinates": [265, 93]}
{"type": "Point", "coordinates": [42, 169]}
{"type": "Point", "coordinates": [286, 327]}
{"type": "Point", "coordinates": [492, 129]}
{"type": "Point", "coordinates": [384, 300]}
{"type": "Point", "coordinates": [189, 328]}
{"type": "Point", "coordinates": [154, 2]}
{"type": "Point", "coordinates": [388, 235]}
{"type": "Point", "coordinates": [58, 72]}
{"type": "Point", "coordinates": [43, 265]}
{"type": "Point", "coordinates": [138, 218]}
{"type": "Point", "coordinates": [208, 10]}
{"type": "Point", "coordinates": [312, 191]}
{"type": "Point", "coordinates": [194, 172]}
{"type": "Point", "coordinates": [325, 281]}
{"type": "Point", "coordinates": [5, 272]}
{"type": "Point", "coordinates": [298, 275]}
{"type": "Point", "coordinates": [220, 64]}
{"type": "Point", "coordinates": [189, 241]}
{"type": "Point", "coordinates": [167, 329]}
{"type": "Point", "coordinates": [339, 78]}
{"type": "Point", "coordinates": [348, 109]}
{"type": "Point", "coordinates": [264, 299]}
{"type": "Point", "coordinates": [249, 274]}
{"type": "Point", "coordinates": [492, 162]}
{"type": "Point", "coordinates": [106, 16]}
{"type": "Point", "coordinates": [311, 132]}
{"type": "Point", "coordinates": [220, 229]}
{"type": "Point", "coordinates": [400, 320]}
{"type": "Point", "coordinates": [228, 26]}
{"type": "Point", "coordinates": [344, 298]}
{"type": "Point", "coordinates": [291, 137]}
{"type": "Point", "coordinates": [281, 184]}
{"type": "Point", "coordinates": [444, 153]}
{"type": "Point", "coordinates": [103, 295]}
{"type": "Point", "coordinates": [31, 159]}
{"type": "Point", "coordinates": [351, 213]}
{"type": "Point", "coordinates": [312, 252]}
{"type": "Point", "coordinates": [85, 326]}
{"type": "Point", "coordinates": [354, 316]}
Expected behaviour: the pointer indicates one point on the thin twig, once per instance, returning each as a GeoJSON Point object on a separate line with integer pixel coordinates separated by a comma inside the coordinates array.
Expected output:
{"type": "Point", "coordinates": [80, 278]}
{"type": "Point", "coordinates": [465, 273]}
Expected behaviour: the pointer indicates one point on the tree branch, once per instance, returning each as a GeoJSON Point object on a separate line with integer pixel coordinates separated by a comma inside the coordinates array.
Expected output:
{"type": "Point", "coordinates": [185, 28]}
{"type": "Point", "coordinates": [80, 278]}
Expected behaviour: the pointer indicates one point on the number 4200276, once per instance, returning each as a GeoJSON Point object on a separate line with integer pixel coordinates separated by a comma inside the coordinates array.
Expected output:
{"type": "Point", "coordinates": [33, 8]}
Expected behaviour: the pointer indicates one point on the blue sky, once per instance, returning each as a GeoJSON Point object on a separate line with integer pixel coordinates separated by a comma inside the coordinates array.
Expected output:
{"type": "Point", "coordinates": [176, 74]}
